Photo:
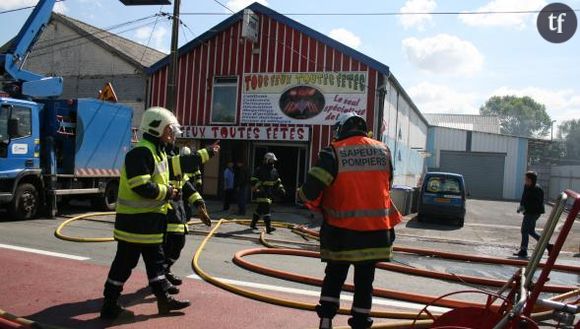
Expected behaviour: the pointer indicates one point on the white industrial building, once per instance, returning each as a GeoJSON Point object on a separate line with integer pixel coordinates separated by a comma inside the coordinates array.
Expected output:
{"type": "Point", "coordinates": [493, 165]}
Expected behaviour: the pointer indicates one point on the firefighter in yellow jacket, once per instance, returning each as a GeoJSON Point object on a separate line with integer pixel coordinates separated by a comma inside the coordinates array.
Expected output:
{"type": "Point", "coordinates": [142, 204]}
{"type": "Point", "coordinates": [351, 184]}
{"type": "Point", "coordinates": [181, 210]}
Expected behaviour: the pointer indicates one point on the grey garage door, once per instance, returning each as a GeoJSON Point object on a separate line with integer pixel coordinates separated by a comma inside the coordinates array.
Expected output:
{"type": "Point", "coordinates": [483, 172]}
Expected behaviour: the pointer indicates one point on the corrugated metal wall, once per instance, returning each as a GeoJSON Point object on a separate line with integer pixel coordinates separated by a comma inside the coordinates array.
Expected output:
{"type": "Point", "coordinates": [515, 148]}
{"type": "Point", "coordinates": [281, 49]}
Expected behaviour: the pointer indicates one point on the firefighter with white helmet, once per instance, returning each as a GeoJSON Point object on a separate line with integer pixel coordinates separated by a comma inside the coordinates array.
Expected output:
{"type": "Point", "coordinates": [141, 213]}
{"type": "Point", "coordinates": [265, 183]}
{"type": "Point", "coordinates": [351, 184]}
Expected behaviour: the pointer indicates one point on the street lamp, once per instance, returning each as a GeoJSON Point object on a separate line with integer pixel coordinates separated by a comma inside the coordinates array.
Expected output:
{"type": "Point", "coordinates": [552, 130]}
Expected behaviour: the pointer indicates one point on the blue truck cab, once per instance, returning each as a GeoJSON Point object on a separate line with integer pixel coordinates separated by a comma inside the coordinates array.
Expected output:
{"type": "Point", "coordinates": [442, 196]}
{"type": "Point", "coordinates": [19, 138]}
{"type": "Point", "coordinates": [53, 150]}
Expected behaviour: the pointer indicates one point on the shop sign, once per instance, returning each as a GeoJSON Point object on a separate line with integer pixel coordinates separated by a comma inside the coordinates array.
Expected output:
{"type": "Point", "coordinates": [247, 133]}
{"type": "Point", "coordinates": [302, 98]}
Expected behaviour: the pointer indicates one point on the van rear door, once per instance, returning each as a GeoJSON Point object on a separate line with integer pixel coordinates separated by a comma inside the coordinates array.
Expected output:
{"type": "Point", "coordinates": [443, 190]}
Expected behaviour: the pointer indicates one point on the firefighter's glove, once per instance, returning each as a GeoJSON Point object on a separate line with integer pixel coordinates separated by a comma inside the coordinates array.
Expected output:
{"type": "Point", "coordinates": [203, 214]}
{"type": "Point", "coordinates": [173, 193]}
{"type": "Point", "coordinates": [176, 196]}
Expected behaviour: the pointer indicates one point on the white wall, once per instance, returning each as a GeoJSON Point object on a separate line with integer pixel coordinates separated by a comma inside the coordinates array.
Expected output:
{"type": "Point", "coordinates": [516, 150]}
{"type": "Point", "coordinates": [406, 134]}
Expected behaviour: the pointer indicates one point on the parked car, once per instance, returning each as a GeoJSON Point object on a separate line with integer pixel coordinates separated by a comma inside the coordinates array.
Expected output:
{"type": "Point", "coordinates": [442, 196]}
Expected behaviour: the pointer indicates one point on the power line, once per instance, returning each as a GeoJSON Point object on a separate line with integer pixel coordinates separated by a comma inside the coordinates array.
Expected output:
{"type": "Point", "coordinates": [74, 45]}
{"type": "Point", "coordinates": [442, 13]}
{"type": "Point", "coordinates": [22, 8]}
{"type": "Point", "coordinates": [56, 42]}
{"type": "Point", "coordinates": [150, 36]}
{"type": "Point", "coordinates": [226, 7]}
{"type": "Point", "coordinates": [17, 9]}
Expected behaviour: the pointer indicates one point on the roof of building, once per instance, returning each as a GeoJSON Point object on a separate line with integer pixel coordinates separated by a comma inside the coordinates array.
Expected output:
{"type": "Point", "coordinates": [258, 8]}
{"type": "Point", "coordinates": [473, 122]}
{"type": "Point", "coordinates": [133, 52]}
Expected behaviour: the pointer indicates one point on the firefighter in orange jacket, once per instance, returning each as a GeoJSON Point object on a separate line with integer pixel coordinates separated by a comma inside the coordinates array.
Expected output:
{"type": "Point", "coordinates": [351, 185]}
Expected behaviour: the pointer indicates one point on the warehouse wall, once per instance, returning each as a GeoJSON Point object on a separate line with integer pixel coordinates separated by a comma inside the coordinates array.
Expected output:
{"type": "Point", "coordinates": [515, 149]}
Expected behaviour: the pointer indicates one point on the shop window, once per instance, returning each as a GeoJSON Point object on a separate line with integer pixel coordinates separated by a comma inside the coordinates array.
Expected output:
{"type": "Point", "coordinates": [224, 101]}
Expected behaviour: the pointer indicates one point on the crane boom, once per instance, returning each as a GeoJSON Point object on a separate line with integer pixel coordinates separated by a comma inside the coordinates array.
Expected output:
{"type": "Point", "coordinates": [27, 83]}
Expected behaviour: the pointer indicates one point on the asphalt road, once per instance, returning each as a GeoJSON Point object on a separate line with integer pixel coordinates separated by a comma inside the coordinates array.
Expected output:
{"type": "Point", "coordinates": [491, 228]}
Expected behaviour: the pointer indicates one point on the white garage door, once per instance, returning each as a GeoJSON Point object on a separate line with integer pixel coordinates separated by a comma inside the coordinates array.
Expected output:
{"type": "Point", "coordinates": [483, 172]}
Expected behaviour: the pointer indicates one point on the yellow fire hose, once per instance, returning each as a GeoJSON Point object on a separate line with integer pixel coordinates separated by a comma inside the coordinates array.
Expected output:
{"type": "Point", "coordinates": [271, 299]}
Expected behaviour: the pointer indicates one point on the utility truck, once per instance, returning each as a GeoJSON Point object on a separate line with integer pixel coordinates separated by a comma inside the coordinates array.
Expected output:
{"type": "Point", "coordinates": [54, 149]}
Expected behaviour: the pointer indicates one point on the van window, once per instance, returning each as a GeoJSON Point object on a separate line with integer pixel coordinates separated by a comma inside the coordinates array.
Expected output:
{"type": "Point", "coordinates": [448, 185]}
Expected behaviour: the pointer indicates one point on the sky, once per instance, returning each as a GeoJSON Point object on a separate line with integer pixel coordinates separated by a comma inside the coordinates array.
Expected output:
{"type": "Point", "coordinates": [447, 63]}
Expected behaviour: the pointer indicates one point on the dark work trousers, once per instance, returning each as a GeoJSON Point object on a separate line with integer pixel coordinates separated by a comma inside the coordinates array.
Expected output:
{"type": "Point", "coordinates": [126, 259]}
{"type": "Point", "coordinates": [228, 198]}
{"type": "Point", "coordinates": [529, 229]}
{"type": "Point", "coordinates": [242, 199]}
{"type": "Point", "coordinates": [364, 275]}
{"type": "Point", "coordinates": [262, 211]}
{"type": "Point", "coordinates": [174, 243]}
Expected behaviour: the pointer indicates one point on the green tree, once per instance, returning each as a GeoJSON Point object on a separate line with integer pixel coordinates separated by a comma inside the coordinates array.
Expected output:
{"type": "Point", "coordinates": [519, 116]}
{"type": "Point", "coordinates": [569, 132]}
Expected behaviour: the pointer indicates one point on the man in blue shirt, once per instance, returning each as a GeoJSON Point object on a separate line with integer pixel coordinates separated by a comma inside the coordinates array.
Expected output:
{"type": "Point", "coordinates": [228, 185]}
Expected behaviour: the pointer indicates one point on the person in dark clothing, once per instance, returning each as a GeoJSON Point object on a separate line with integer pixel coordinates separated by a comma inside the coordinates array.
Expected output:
{"type": "Point", "coordinates": [265, 183]}
{"type": "Point", "coordinates": [532, 205]}
{"type": "Point", "coordinates": [228, 185]}
{"type": "Point", "coordinates": [241, 183]}
{"type": "Point", "coordinates": [350, 184]}
{"type": "Point", "coordinates": [141, 212]}
{"type": "Point", "coordinates": [179, 213]}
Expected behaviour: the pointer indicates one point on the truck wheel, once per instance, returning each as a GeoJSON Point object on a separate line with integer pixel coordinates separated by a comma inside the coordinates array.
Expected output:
{"type": "Point", "coordinates": [107, 201]}
{"type": "Point", "coordinates": [24, 205]}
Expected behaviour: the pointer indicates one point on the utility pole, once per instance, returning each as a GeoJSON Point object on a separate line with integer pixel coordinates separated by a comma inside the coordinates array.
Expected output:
{"type": "Point", "coordinates": [173, 61]}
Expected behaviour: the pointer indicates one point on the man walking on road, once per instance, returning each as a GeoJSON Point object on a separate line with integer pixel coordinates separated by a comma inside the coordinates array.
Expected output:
{"type": "Point", "coordinates": [351, 185]}
{"type": "Point", "coordinates": [532, 205]}
{"type": "Point", "coordinates": [142, 204]}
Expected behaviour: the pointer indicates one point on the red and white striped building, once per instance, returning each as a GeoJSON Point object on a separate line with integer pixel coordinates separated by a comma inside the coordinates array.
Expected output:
{"type": "Point", "coordinates": [277, 87]}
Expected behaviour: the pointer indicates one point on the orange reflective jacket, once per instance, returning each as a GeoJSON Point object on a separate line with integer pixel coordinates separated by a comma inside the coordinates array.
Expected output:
{"type": "Point", "coordinates": [359, 197]}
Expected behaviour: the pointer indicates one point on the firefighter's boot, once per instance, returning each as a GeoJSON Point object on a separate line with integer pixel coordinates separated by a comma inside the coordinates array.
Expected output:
{"type": "Point", "coordinates": [269, 227]}
{"type": "Point", "coordinates": [360, 322]}
{"type": "Point", "coordinates": [111, 310]}
{"type": "Point", "coordinates": [172, 290]}
{"type": "Point", "coordinates": [325, 323]}
{"type": "Point", "coordinates": [254, 221]}
{"type": "Point", "coordinates": [326, 311]}
{"type": "Point", "coordinates": [166, 304]}
{"type": "Point", "coordinates": [173, 279]}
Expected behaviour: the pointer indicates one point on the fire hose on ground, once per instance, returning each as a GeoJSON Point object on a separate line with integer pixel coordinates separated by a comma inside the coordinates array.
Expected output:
{"type": "Point", "coordinates": [419, 321]}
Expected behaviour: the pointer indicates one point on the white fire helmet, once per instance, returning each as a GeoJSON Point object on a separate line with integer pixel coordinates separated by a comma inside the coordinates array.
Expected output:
{"type": "Point", "coordinates": [270, 157]}
{"type": "Point", "coordinates": [155, 119]}
{"type": "Point", "coordinates": [185, 151]}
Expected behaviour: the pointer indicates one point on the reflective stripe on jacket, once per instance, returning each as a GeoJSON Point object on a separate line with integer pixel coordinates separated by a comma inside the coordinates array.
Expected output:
{"type": "Point", "coordinates": [359, 197]}
{"type": "Point", "coordinates": [131, 203]}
